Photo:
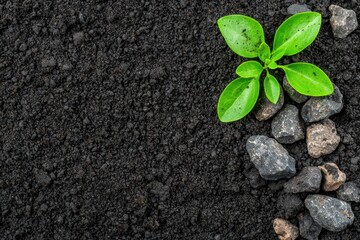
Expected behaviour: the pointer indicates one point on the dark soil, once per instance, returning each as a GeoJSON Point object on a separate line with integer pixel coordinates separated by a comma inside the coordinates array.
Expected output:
{"type": "Point", "coordinates": [113, 133]}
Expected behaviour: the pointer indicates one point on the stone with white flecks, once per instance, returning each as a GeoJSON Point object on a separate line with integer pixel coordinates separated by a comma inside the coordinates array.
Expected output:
{"type": "Point", "coordinates": [322, 138]}
{"type": "Point", "coordinates": [286, 126]}
{"type": "Point", "coordinates": [343, 21]}
{"type": "Point", "coordinates": [285, 229]}
{"type": "Point", "coordinates": [270, 158]}
{"type": "Point", "coordinates": [330, 213]}
{"type": "Point", "coordinates": [319, 108]}
{"type": "Point", "coordinates": [349, 192]}
{"type": "Point", "coordinates": [308, 180]}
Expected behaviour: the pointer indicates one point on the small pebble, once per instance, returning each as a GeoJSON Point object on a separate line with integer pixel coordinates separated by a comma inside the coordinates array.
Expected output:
{"type": "Point", "coordinates": [322, 138]}
{"type": "Point", "coordinates": [349, 192]}
{"type": "Point", "coordinates": [265, 109]}
{"type": "Point", "coordinates": [308, 180]}
{"type": "Point", "coordinates": [285, 229]}
{"type": "Point", "coordinates": [333, 177]}
{"type": "Point", "coordinates": [343, 21]}
{"type": "Point", "coordinates": [270, 158]}
{"type": "Point", "coordinates": [330, 213]}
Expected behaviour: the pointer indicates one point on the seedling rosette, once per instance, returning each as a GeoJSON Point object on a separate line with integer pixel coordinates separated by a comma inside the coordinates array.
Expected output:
{"type": "Point", "coordinates": [245, 36]}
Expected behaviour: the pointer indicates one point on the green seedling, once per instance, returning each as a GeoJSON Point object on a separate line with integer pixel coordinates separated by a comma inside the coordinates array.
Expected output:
{"type": "Point", "coordinates": [245, 36]}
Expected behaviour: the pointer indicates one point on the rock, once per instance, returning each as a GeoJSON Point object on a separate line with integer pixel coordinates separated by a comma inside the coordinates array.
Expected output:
{"type": "Point", "coordinates": [319, 108]}
{"type": "Point", "coordinates": [78, 37]}
{"type": "Point", "coordinates": [265, 109]}
{"type": "Point", "coordinates": [290, 204]}
{"type": "Point", "coordinates": [42, 177]}
{"type": "Point", "coordinates": [343, 21]}
{"type": "Point", "coordinates": [270, 158]}
{"type": "Point", "coordinates": [297, 8]}
{"type": "Point", "coordinates": [254, 178]}
{"type": "Point", "coordinates": [285, 230]}
{"type": "Point", "coordinates": [349, 192]}
{"type": "Point", "coordinates": [330, 213]}
{"type": "Point", "coordinates": [286, 126]}
{"type": "Point", "coordinates": [333, 177]}
{"type": "Point", "coordinates": [309, 229]}
{"type": "Point", "coordinates": [293, 94]}
{"type": "Point", "coordinates": [322, 138]}
{"type": "Point", "coordinates": [308, 180]}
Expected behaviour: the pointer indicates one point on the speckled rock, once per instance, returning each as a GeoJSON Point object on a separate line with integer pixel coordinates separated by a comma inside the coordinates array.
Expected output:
{"type": "Point", "coordinates": [285, 229]}
{"type": "Point", "coordinates": [270, 158]}
{"type": "Point", "coordinates": [286, 126]}
{"type": "Point", "coordinates": [293, 94]}
{"type": "Point", "coordinates": [297, 8]}
{"type": "Point", "coordinates": [308, 180]}
{"type": "Point", "coordinates": [319, 108]}
{"type": "Point", "coordinates": [309, 229]}
{"type": "Point", "coordinates": [330, 213]}
{"type": "Point", "coordinates": [265, 109]}
{"type": "Point", "coordinates": [322, 138]}
{"type": "Point", "coordinates": [349, 192]}
{"type": "Point", "coordinates": [333, 177]}
{"type": "Point", "coordinates": [343, 21]}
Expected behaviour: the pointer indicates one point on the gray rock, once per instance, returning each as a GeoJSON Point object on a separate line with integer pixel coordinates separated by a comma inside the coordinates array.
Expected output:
{"type": "Point", "coordinates": [42, 177]}
{"type": "Point", "coordinates": [308, 180]}
{"type": "Point", "coordinates": [293, 94]}
{"type": "Point", "coordinates": [78, 37]}
{"type": "Point", "coordinates": [343, 21]}
{"type": "Point", "coordinates": [322, 138]}
{"type": "Point", "coordinates": [330, 213]}
{"type": "Point", "coordinates": [270, 158]}
{"type": "Point", "coordinates": [349, 192]}
{"type": "Point", "coordinates": [290, 204]}
{"type": "Point", "coordinates": [286, 126]}
{"type": "Point", "coordinates": [265, 109]}
{"type": "Point", "coordinates": [309, 229]}
{"type": "Point", "coordinates": [297, 8]}
{"type": "Point", "coordinates": [319, 108]}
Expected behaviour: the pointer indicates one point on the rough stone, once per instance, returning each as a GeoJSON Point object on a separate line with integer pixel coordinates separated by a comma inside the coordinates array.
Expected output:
{"type": "Point", "coordinates": [319, 108]}
{"type": "Point", "coordinates": [330, 213]}
{"type": "Point", "coordinates": [343, 21]}
{"type": "Point", "coordinates": [290, 204]}
{"type": "Point", "coordinates": [322, 138]}
{"type": "Point", "coordinates": [308, 180]}
{"type": "Point", "coordinates": [286, 126]}
{"type": "Point", "coordinates": [270, 158]}
{"type": "Point", "coordinates": [285, 229]}
{"type": "Point", "coordinates": [349, 192]}
{"type": "Point", "coordinates": [293, 94]}
{"type": "Point", "coordinates": [309, 229]}
{"type": "Point", "coordinates": [265, 109]}
{"type": "Point", "coordinates": [297, 8]}
{"type": "Point", "coordinates": [333, 177]}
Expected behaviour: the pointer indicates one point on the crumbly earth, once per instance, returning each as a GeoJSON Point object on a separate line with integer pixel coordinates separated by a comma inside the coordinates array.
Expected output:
{"type": "Point", "coordinates": [109, 127]}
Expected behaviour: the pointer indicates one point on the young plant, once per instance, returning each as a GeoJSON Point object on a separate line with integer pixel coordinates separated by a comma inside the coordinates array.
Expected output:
{"type": "Point", "coordinates": [245, 36]}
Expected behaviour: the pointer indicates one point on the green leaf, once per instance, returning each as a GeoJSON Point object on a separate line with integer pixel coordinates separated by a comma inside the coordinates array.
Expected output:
{"type": "Point", "coordinates": [242, 34]}
{"type": "Point", "coordinates": [273, 65]}
{"type": "Point", "coordinates": [272, 88]}
{"type": "Point", "coordinates": [296, 33]}
{"type": "Point", "coordinates": [308, 79]}
{"type": "Point", "coordinates": [264, 52]}
{"type": "Point", "coordinates": [278, 54]}
{"type": "Point", "coordinates": [238, 99]}
{"type": "Point", "coordinates": [249, 69]}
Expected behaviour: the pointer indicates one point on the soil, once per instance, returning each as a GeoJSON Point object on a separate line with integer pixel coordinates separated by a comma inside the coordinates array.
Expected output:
{"type": "Point", "coordinates": [109, 127]}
